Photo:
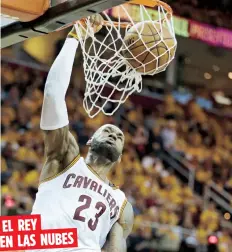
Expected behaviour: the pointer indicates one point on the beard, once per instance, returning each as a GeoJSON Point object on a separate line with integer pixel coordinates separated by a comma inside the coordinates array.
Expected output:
{"type": "Point", "coordinates": [105, 151]}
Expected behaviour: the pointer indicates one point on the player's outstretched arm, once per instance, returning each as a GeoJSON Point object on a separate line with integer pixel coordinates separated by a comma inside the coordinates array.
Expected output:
{"type": "Point", "coordinates": [60, 146]}
{"type": "Point", "coordinates": [120, 231]}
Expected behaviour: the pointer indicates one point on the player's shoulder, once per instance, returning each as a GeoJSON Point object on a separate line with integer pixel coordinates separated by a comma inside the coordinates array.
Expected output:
{"type": "Point", "coordinates": [126, 219]}
{"type": "Point", "coordinates": [53, 168]}
{"type": "Point", "coordinates": [61, 151]}
{"type": "Point", "coordinates": [118, 190]}
{"type": "Point", "coordinates": [128, 209]}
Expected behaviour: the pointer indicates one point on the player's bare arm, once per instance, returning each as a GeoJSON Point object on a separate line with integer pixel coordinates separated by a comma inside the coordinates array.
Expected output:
{"type": "Point", "coordinates": [60, 149]}
{"type": "Point", "coordinates": [60, 145]}
{"type": "Point", "coordinates": [120, 231]}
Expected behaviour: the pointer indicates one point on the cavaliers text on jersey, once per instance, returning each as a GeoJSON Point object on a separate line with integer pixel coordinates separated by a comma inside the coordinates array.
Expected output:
{"type": "Point", "coordinates": [78, 198]}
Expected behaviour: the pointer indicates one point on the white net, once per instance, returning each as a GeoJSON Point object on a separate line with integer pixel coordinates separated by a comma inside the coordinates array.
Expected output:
{"type": "Point", "coordinates": [113, 68]}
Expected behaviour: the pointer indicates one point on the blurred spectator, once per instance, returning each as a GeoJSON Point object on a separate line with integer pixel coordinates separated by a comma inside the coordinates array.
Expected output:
{"type": "Point", "coordinates": [168, 135]}
{"type": "Point", "coordinates": [140, 141]}
{"type": "Point", "coordinates": [155, 191]}
{"type": "Point", "coordinates": [210, 218]}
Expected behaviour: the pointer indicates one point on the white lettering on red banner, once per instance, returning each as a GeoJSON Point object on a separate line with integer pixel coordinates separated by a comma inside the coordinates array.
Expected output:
{"type": "Point", "coordinates": [24, 232]}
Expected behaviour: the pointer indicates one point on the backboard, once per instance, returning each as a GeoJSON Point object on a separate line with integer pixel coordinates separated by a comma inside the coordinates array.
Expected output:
{"type": "Point", "coordinates": [61, 14]}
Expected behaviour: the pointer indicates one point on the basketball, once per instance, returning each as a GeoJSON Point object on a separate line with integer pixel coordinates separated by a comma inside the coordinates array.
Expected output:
{"type": "Point", "coordinates": [149, 47]}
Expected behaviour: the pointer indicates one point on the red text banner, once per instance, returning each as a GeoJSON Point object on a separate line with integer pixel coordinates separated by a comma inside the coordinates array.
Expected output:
{"type": "Point", "coordinates": [24, 233]}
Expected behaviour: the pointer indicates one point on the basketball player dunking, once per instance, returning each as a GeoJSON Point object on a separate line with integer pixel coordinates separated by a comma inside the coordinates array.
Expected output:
{"type": "Point", "coordinates": [74, 192]}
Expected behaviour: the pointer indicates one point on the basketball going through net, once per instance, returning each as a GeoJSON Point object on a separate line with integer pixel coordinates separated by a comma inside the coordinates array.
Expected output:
{"type": "Point", "coordinates": [132, 46]}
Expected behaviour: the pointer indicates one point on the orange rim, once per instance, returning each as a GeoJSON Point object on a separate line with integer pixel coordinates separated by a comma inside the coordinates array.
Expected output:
{"type": "Point", "coordinates": [147, 3]}
{"type": "Point", "coordinates": [152, 3]}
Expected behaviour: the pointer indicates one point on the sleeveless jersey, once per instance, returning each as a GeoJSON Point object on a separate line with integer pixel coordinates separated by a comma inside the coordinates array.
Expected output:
{"type": "Point", "coordinates": [78, 198]}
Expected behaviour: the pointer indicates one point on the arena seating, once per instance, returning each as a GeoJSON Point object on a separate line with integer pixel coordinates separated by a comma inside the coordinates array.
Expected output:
{"type": "Point", "coordinates": [156, 193]}
{"type": "Point", "coordinates": [206, 11]}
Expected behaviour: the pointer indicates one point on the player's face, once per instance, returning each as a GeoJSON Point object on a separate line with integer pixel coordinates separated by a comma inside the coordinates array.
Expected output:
{"type": "Point", "coordinates": [112, 135]}
{"type": "Point", "coordinates": [108, 140]}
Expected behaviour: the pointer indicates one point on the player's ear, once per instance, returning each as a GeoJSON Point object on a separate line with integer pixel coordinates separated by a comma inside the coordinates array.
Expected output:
{"type": "Point", "coordinates": [89, 141]}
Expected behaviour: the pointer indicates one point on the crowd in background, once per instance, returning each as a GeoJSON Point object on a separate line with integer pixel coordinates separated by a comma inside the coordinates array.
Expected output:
{"type": "Point", "coordinates": [217, 13]}
{"type": "Point", "coordinates": [156, 193]}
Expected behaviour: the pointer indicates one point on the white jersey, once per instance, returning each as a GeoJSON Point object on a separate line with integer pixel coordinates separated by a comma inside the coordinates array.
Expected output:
{"type": "Point", "coordinates": [78, 198]}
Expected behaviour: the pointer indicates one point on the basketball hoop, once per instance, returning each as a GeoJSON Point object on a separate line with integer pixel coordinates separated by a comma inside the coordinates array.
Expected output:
{"type": "Point", "coordinates": [110, 80]}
